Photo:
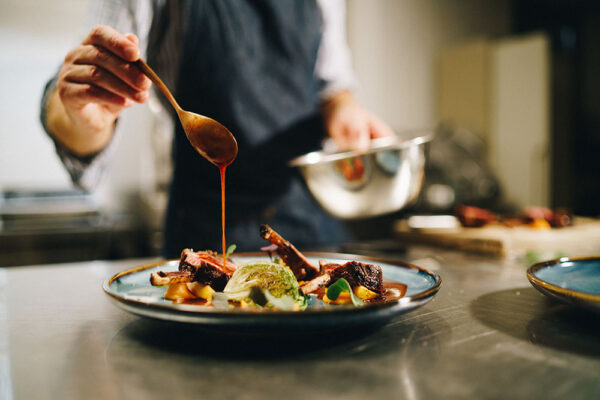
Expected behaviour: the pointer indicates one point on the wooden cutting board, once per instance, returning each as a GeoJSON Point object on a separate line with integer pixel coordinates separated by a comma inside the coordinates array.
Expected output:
{"type": "Point", "coordinates": [583, 238]}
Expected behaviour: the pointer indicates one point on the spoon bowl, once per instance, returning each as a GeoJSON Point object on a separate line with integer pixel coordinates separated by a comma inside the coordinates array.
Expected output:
{"type": "Point", "coordinates": [210, 138]}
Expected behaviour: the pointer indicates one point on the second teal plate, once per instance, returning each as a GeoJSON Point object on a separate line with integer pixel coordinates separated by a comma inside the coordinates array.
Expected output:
{"type": "Point", "coordinates": [572, 280]}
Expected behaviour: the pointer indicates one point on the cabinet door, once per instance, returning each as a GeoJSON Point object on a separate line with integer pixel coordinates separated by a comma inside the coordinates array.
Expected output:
{"type": "Point", "coordinates": [519, 118]}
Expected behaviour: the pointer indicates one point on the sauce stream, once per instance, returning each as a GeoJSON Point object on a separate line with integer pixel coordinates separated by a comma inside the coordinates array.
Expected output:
{"type": "Point", "coordinates": [222, 171]}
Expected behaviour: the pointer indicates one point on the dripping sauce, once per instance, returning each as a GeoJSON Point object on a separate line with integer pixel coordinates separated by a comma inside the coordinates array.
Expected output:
{"type": "Point", "coordinates": [224, 243]}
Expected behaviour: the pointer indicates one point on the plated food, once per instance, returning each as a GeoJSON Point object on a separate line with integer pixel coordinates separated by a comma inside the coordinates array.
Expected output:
{"type": "Point", "coordinates": [131, 291]}
{"type": "Point", "coordinates": [285, 282]}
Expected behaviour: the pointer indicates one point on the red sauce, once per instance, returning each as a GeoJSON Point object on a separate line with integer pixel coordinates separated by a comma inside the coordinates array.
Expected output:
{"type": "Point", "coordinates": [222, 171]}
{"type": "Point", "coordinates": [196, 301]}
{"type": "Point", "coordinates": [392, 291]}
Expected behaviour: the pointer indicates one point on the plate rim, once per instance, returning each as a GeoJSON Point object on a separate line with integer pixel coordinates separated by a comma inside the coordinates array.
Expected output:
{"type": "Point", "coordinates": [427, 294]}
{"type": "Point", "coordinates": [559, 290]}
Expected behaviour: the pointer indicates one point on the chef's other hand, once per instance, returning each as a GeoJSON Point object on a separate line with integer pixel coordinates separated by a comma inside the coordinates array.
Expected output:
{"type": "Point", "coordinates": [97, 81]}
{"type": "Point", "coordinates": [350, 125]}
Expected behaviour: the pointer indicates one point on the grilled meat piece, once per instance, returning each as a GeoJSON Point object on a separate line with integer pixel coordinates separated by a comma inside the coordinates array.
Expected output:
{"type": "Point", "coordinates": [203, 266]}
{"type": "Point", "coordinates": [303, 270]}
{"type": "Point", "coordinates": [561, 218]}
{"type": "Point", "coordinates": [197, 259]}
{"type": "Point", "coordinates": [532, 213]}
{"type": "Point", "coordinates": [558, 218]}
{"type": "Point", "coordinates": [315, 284]}
{"type": "Point", "coordinates": [161, 278]}
{"type": "Point", "coordinates": [474, 217]}
{"type": "Point", "coordinates": [357, 274]}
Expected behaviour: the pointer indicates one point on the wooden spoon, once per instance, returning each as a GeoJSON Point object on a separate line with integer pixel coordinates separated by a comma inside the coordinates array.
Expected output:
{"type": "Point", "coordinates": [211, 139]}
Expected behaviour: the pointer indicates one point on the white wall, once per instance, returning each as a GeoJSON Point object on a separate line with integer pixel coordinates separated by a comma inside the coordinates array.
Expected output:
{"type": "Point", "coordinates": [34, 37]}
{"type": "Point", "coordinates": [396, 45]}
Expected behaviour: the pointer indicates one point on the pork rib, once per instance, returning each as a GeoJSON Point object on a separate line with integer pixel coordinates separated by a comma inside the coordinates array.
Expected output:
{"type": "Point", "coordinates": [203, 266]}
{"type": "Point", "coordinates": [303, 270]}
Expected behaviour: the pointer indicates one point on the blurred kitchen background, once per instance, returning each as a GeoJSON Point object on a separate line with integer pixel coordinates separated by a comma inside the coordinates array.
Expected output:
{"type": "Point", "coordinates": [512, 88]}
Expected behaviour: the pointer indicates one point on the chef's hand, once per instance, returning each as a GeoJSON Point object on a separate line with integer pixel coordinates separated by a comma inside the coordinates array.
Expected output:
{"type": "Point", "coordinates": [97, 81]}
{"type": "Point", "coordinates": [350, 125]}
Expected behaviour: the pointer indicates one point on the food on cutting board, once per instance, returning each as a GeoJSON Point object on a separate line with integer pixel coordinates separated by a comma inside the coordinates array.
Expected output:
{"type": "Point", "coordinates": [534, 217]}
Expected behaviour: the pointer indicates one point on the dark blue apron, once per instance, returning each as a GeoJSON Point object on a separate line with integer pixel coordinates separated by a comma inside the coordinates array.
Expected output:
{"type": "Point", "coordinates": [249, 64]}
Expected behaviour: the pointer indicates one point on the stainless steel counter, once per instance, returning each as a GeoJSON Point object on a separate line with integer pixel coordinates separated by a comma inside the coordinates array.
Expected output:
{"type": "Point", "coordinates": [487, 334]}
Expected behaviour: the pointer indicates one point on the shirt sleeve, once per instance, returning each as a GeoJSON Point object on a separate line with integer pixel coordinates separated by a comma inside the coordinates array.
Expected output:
{"type": "Point", "coordinates": [334, 61]}
{"type": "Point", "coordinates": [126, 16]}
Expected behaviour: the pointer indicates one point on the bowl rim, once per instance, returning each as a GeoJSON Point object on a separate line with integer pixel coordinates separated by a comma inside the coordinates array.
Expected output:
{"type": "Point", "coordinates": [377, 145]}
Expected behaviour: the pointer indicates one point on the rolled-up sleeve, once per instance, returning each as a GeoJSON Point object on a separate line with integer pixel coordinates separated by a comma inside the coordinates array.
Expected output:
{"type": "Point", "coordinates": [334, 61]}
{"type": "Point", "coordinates": [125, 16]}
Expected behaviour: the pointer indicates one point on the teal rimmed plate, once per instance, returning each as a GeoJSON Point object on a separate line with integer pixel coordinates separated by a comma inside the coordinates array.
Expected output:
{"type": "Point", "coordinates": [131, 290]}
{"type": "Point", "coordinates": [572, 280]}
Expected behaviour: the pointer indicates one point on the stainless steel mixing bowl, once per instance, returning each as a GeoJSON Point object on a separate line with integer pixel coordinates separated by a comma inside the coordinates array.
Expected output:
{"type": "Point", "coordinates": [385, 178]}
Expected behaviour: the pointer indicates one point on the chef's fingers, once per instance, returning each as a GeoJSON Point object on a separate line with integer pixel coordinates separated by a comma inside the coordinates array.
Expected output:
{"type": "Point", "coordinates": [378, 128]}
{"type": "Point", "coordinates": [354, 135]}
{"type": "Point", "coordinates": [97, 55]}
{"type": "Point", "coordinates": [115, 52]}
{"type": "Point", "coordinates": [113, 41]}
{"type": "Point", "coordinates": [362, 141]}
{"type": "Point", "coordinates": [133, 38]}
{"type": "Point", "coordinates": [145, 82]}
{"type": "Point", "coordinates": [104, 79]}
{"type": "Point", "coordinates": [78, 95]}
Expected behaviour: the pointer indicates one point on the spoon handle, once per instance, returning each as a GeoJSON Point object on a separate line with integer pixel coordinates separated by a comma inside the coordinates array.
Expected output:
{"type": "Point", "coordinates": [158, 82]}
